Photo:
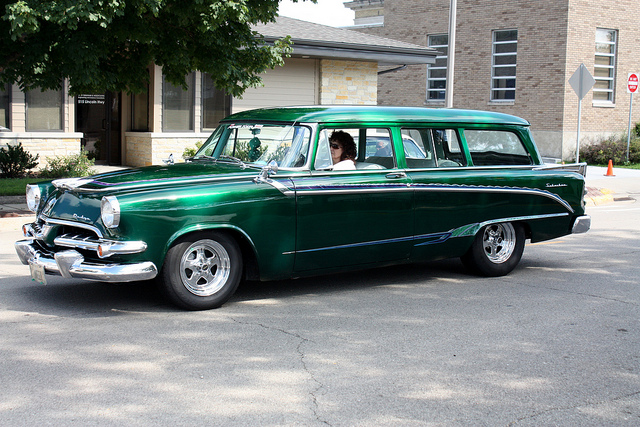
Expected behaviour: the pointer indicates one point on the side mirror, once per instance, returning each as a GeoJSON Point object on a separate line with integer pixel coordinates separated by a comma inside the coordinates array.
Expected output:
{"type": "Point", "coordinates": [266, 172]}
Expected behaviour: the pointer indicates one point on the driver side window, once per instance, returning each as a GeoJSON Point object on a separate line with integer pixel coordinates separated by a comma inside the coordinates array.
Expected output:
{"type": "Point", "coordinates": [323, 155]}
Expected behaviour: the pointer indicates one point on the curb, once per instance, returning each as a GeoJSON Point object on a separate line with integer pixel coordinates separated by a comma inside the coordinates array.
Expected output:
{"type": "Point", "coordinates": [599, 196]}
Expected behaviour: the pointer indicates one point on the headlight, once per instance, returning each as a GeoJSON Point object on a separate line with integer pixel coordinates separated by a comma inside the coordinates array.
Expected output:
{"type": "Point", "coordinates": [110, 211]}
{"type": "Point", "coordinates": [33, 197]}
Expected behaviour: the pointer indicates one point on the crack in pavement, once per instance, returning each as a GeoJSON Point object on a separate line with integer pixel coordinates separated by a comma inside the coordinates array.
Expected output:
{"type": "Point", "coordinates": [580, 293]}
{"type": "Point", "coordinates": [582, 405]}
{"type": "Point", "coordinates": [301, 354]}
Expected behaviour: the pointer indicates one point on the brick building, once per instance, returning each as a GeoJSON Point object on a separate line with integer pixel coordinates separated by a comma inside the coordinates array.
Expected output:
{"type": "Point", "coordinates": [516, 57]}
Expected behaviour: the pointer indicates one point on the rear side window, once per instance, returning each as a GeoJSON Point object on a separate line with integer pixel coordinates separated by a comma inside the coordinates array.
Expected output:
{"type": "Point", "coordinates": [496, 148]}
{"type": "Point", "coordinates": [429, 148]}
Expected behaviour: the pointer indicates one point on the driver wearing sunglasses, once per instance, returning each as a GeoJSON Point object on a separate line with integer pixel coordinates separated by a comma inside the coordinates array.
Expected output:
{"type": "Point", "coordinates": [343, 150]}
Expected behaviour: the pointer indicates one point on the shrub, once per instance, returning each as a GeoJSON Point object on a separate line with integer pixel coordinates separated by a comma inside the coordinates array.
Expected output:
{"type": "Point", "coordinates": [190, 151]}
{"type": "Point", "coordinates": [15, 161]}
{"type": "Point", "coordinates": [613, 148]}
{"type": "Point", "coordinates": [68, 166]}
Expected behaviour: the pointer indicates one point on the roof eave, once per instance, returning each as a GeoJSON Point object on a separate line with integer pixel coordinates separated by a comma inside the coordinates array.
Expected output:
{"type": "Point", "coordinates": [362, 54]}
{"type": "Point", "coordinates": [380, 54]}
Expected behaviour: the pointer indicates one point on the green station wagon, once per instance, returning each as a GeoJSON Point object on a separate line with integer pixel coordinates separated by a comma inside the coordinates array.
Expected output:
{"type": "Point", "coordinates": [260, 200]}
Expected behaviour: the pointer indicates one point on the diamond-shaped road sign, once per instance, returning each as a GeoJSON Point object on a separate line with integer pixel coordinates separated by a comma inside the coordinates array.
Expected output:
{"type": "Point", "coordinates": [582, 81]}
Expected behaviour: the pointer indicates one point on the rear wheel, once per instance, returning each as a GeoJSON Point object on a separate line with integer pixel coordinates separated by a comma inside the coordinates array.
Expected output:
{"type": "Point", "coordinates": [496, 249]}
{"type": "Point", "coordinates": [202, 272]}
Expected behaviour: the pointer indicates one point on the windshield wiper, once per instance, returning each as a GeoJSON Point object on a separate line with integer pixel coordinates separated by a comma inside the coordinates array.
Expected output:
{"type": "Point", "coordinates": [232, 159]}
{"type": "Point", "coordinates": [202, 157]}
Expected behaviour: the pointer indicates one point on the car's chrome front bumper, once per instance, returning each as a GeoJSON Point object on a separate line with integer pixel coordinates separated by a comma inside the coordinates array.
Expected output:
{"type": "Point", "coordinates": [70, 263]}
{"type": "Point", "coordinates": [582, 224]}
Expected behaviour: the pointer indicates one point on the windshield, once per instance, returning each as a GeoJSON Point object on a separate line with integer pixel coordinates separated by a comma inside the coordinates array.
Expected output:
{"type": "Point", "coordinates": [258, 144]}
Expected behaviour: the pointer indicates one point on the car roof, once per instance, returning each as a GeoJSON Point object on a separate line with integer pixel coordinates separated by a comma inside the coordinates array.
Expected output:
{"type": "Point", "coordinates": [374, 114]}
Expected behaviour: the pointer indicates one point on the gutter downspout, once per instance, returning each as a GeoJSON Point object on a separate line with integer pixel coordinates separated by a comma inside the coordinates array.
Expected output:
{"type": "Point", "coordinates": [402, 67]}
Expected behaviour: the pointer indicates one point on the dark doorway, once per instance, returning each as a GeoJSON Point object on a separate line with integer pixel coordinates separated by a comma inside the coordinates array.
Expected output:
{"type": "Point", "coordinates": [98, 118]}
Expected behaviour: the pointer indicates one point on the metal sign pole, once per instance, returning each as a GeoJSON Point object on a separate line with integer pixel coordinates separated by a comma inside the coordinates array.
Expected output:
{"type": "Point", "coordinates": [578, 138]}
{"type": "Point", "coordinates": [632, 87]}
{"type": "Point", "coordinates": [629, 130]}
{"type": "Point", "coordinates": [581, 81]}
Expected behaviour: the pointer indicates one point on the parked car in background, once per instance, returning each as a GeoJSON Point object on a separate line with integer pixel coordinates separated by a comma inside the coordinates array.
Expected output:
{"type": "Point", "coordinates": [260, 200]}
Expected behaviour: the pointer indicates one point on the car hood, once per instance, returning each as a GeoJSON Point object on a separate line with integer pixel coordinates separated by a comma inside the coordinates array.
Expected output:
{"type": "Point", "coordinates": [156, 177]}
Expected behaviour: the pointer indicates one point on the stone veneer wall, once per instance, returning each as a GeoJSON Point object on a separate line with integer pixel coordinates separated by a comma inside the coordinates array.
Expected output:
{"type": "Point", "coordinates": [348, 82]}
{"type": "Point", "coordinates": [44, 145]}
{"type": "Point", "coordinates": [144, 148]}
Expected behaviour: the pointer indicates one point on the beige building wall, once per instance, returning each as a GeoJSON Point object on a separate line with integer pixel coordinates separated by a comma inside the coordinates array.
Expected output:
{"type": "Point", "coordinates": [45, 144]}
{"type": "Point", "coordinates": [299, 82]}
{"type": "Point", "coordinates": [554, 38]}
{"type": "Point", "coordinates": [302, 81]}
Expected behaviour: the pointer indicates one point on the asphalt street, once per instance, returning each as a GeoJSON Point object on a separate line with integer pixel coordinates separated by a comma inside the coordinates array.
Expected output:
{"type": "Point", "coordinates": [557, 342]}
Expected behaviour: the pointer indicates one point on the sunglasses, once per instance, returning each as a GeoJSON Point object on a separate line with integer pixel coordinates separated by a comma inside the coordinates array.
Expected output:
{"type": "Point", "coordinates": [334, 146]}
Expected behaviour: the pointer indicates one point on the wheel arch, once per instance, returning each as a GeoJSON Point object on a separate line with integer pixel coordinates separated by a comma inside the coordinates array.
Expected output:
{"type": "Point", "coordinates": [247, 247]}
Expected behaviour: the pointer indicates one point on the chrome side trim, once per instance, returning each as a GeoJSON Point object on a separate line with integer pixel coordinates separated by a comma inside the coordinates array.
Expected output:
{"type": "Point", "coordinates": [353, 188]}
{"type": "Point", "coordinates": [581, 168]}
{"type": "Point", "coordinates": [401, 187]}
{"type": "Point", "coordinates": [71, 264]}
{"type": "Point", "coordinates": [472, 229]}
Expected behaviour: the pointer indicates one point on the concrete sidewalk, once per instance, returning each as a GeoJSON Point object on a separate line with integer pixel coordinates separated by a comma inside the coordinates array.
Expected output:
{"type": "Point", "coordinates": [623, 186]}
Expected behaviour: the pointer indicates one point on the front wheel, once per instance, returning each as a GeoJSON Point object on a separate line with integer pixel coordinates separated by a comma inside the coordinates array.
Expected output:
{"type": "Point", "coordinates": [203, 272]}
{"type": "Point", "coordinates": [496, 249]}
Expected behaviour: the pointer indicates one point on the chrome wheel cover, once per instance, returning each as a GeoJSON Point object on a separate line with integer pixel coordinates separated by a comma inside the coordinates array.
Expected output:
{"type": "Point", "coordinates": [499, 242]}
{"type": "Point", "coordinates": [205, 267]}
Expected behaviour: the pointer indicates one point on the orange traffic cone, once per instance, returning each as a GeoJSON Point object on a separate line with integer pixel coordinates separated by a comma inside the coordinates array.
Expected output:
{"type": "Point", "coordinates": [610, 169]}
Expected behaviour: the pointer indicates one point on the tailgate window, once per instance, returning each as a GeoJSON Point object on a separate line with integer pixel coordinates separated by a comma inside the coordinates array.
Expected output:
{"type": "Point", "coordinates": [496, 148]}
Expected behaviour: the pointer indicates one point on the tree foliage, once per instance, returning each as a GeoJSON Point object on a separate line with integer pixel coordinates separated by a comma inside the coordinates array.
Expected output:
{"type": "Point", "coordinates": [104, 45]}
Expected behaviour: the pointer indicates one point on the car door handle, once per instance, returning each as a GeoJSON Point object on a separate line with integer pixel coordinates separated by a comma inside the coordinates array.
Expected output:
{"type": "Point", "coordinates": [396, 175]}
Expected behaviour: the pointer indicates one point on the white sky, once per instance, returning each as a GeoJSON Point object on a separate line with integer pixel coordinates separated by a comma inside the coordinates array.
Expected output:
{"type": "Point", "coordinates": [326, 12]}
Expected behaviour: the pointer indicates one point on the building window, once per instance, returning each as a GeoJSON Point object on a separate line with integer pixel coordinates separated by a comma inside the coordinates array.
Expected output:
{"type": "Point", "coordinates": [44, 110]}
{"type": "Point", "coordinates": [178, 105]}
{"type": "Point", "coordinates": [140, 111]}
{"type": "Point", "coordinates": [437, 73]}
{"type": "Point", "coordinates": [216, 104]}
{"type": "Point", "coordinates": [5, 105]}
{"type": "Point", "coordinates": [503, 65]}
{"type": "Point", "coordinates": [605, 65]}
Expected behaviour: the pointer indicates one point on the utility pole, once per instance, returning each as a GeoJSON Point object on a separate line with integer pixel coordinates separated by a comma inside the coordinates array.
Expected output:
{"type": "Point", "coordinates": [451, 56]}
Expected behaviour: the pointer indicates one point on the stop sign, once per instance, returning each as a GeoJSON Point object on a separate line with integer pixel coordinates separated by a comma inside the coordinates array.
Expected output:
{"type": "Point", "coordinates": [632, 83]}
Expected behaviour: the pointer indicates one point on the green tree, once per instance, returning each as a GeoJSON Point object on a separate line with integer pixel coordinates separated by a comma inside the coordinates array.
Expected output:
{"type": "Point", "coordinates": [104, 45]}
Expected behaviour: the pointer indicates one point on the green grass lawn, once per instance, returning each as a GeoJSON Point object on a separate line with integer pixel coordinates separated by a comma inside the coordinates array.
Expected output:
{"type": "Point", "coordinates": [16, 186]}
{"type": "Point", "coordinates": [631, 166]}
{"type": "Point", "coordinates": [636, 166]}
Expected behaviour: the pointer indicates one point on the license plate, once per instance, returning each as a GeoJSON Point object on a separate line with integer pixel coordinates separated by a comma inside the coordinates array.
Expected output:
{"type": "Point", "coordinates": [37, 274]}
